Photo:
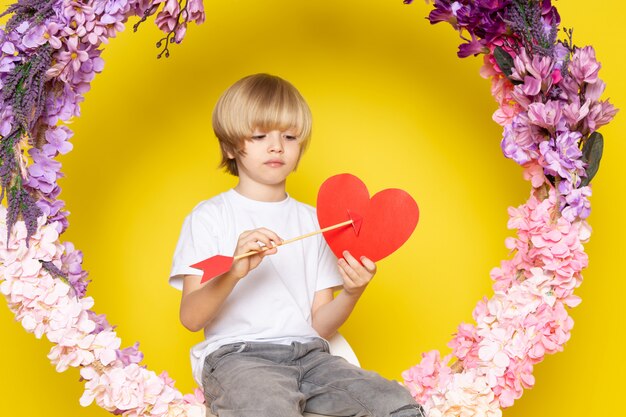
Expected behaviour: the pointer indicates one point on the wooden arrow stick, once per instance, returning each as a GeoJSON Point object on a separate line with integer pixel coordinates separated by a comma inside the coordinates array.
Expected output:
{"type": "Point", "coordinates": [220, 264]}
{"type": "Point", "coordinates": [295, 239]}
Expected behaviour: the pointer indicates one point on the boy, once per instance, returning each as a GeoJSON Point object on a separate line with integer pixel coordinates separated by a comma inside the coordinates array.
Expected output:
{"type": "Point", "coordinates": [265, 320]}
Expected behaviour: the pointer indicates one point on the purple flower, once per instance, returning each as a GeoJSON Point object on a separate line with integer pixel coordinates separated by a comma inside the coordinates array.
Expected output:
{"type": "Point", "coordinates": [52, 211]}
{"type": "Point", "coordinates": [57, 138]}
{"type": "Point", "coordinates": [561, 53]}
{"type": "Point", "coordinates": [63, 106]}
{"type": "Point", "coordinates": [9, 57]}
{"type": "Point", "coordinates": [74, 55]}
{"type": "Point", "coordinates": [130, 354]}
{"type": "Point", "coordinates": [472, 47]}
{"type": "Point", "coordinates": [72, 261]}
{"type": "Point", "coordinates": [101, 322]}
{"type": "Point", "coordinates": [561, 157]}
{"type": "Point", "coordinates": [519, 141]}
{"type": "Point", "coordinates": [445, 12]}
{"type": "Point", "coordinates": [574, 202]}
{"type": "Point", "coordinates": [34, 37]}
{"type": "Point", "coordinates": [6, 120]}
{"type": "Point", "coordinates": [111, 11]}
{"type": "Point", "coordinates": [50, 208]}
{"type": "Point", "coordinates": [482, 19]}
{"type": "Point", "coordinates": [44, 172]}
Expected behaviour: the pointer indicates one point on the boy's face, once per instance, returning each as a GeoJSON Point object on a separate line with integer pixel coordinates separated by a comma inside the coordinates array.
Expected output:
{"type": "Point", "coordinates": [269, 157]}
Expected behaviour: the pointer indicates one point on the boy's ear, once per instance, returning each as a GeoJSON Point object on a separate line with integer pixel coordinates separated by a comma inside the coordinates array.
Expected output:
{"type": "Point", "coordinates": [228, 151]}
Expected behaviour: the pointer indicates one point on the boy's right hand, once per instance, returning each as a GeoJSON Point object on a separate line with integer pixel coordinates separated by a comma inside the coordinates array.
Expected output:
{"type": "Point", "coordinates": [253, 240]}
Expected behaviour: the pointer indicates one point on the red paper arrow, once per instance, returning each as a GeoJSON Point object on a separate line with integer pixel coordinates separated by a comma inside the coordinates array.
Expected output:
{"type": "Point", "coordinates": [219, 264]}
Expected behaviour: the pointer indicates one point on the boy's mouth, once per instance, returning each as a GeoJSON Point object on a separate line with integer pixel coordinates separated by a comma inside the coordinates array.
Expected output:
{"type": "Point", "coordinates": [275, 163]}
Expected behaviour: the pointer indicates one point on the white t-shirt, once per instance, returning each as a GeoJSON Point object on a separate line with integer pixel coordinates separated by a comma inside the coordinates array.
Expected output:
{"type": "Point", "coordinates": [273, 303]}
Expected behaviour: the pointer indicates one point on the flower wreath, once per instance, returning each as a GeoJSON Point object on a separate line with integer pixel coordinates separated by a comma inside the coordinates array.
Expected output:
{"type": "Point", "coordinates": [548, 93]}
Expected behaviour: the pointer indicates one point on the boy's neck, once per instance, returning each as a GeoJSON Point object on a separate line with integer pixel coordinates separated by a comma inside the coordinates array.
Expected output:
{"type": "Point", "coordinates": [261, 192]}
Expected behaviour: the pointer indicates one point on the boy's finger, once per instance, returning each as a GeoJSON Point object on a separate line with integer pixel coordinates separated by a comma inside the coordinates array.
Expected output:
{"type": "Point", "coordinates": [348, 269]}
{"type": "Point", "coordinates": [261, 239]}
{"type": "Point", "coordinates": [368, 264]}
{"type": "Point", "coordinates": [352, 261]}
{"type": "Point", "coordinates": [269, 251]}
{"type": "Point", "coordinates": [344, 274]}
{"type": "Point", "coordinates": [271, 235]}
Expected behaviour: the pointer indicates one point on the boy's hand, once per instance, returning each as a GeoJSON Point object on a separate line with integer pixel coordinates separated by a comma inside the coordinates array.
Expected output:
{"type": "Point", "coordinates": [356, 275]}
{"type": "Point", "coordinates": [253, 240]}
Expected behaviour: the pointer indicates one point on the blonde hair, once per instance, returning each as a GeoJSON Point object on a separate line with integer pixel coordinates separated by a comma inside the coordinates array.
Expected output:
{"type": "Point", "coordinates": [259, 101]}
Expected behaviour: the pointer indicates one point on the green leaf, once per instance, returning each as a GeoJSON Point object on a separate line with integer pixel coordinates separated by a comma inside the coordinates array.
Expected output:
{"type": "Point", "coordinates": [592, 153]}
{"type": "Point", "coordinates": [504, 60]}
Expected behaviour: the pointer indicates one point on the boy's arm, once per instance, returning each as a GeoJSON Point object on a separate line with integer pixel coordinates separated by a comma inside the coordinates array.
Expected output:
{"type": "Point", "coordinates": [330, 313]}
{"type": "Point", "coordinates": [201, 302]}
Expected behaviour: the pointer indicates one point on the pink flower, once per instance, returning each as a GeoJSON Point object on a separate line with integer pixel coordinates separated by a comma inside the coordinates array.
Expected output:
{"type": "Point", "coordinates": [600, 114]}
{"type": "Point", "coordinates": [536, 73]}
{"type": "Point", "coordinates": [131, 389]}
{"type": "Point", "coordinates": [574, 112]}
{"type": "Point", "coordinates": [465, 345]}
{"type": "Point", "coordinates": [511, 385]}
{"type": "Point", "coordinates": [533, 172]}
{"type": "Point", "coordinates": [548, 329]}
{"type": "Point", "coordinates": [168, 16]}
{"type": "Point", "coordinates": [429, 376]}
{"type": "Point", "coordinates": [594, 91]}
{"type": "Point", "coordinates": [467, 395]}
{"type": "Point", "coordinates": [197, 397]}
{"type": "Point", "coordinates": [195, 8]}
{"type": "Point", "coordinates": [584, 67]}
{"type": "Point", "coordinates": [546, 115]}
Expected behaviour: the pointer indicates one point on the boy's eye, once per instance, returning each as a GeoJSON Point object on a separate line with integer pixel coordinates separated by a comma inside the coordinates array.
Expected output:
{"type": "Point", "coordinates": [291, 137]}
{"type": "Point", "coordinates": [257, 137]}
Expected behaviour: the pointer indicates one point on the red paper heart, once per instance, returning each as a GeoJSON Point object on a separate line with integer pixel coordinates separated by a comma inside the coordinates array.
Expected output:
{"type": "Point", "coordinates": [389, 217]}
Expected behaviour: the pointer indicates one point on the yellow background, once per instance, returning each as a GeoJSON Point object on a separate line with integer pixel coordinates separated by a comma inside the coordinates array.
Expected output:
{"type": "Point", "coordinates": [392, 104]}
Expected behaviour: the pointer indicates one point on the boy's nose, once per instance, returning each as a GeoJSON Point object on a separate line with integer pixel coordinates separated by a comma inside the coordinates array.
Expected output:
{"type": "Point", "coordinates": [276, 142]}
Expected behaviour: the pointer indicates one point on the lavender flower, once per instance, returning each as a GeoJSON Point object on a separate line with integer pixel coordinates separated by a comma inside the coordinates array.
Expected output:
{"type": "Point", "coordinates": [52, 268]}
{"type": "Point", "coordinates": [536, 24]}
{"type": "Point", "coordinates": [20, 201]}
{"type": "Point", "coordinates": [29, 11]}
{"type": "Point", "coordinates": [24, 87]}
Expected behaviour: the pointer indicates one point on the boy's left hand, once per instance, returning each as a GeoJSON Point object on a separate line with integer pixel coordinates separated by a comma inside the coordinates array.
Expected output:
{"type": "Point", "coordinates": [356, 275]}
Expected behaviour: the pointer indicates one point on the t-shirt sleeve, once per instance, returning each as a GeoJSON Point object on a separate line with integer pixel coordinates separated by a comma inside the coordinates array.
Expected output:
{"type": "Point", "coordinates": [328, 275]}
{"type": "Point", "coordinates": [197, 241]}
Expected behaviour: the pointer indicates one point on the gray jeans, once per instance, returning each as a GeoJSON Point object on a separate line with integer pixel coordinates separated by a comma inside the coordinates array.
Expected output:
{"type": "Point", "coordinates": [255, 379]}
